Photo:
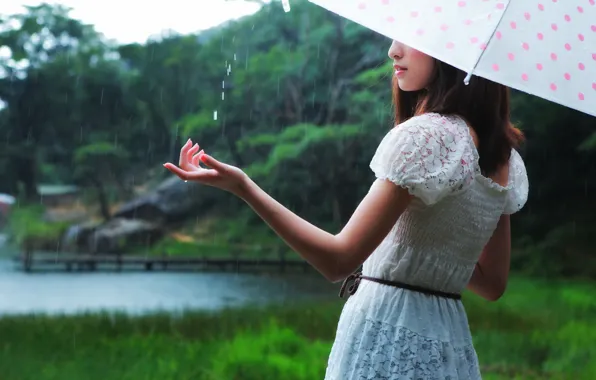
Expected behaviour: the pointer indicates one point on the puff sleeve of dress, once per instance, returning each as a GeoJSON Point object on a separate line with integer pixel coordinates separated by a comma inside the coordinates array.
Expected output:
{"type": "Point", "coordinates": [517, 195]}
{"type": "Point", "coordinates": [431, 157]}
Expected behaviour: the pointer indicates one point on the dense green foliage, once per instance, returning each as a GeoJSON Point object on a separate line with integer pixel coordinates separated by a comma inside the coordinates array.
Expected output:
{"type": "Point", "coordinates": [299, 100]}
{"type": "Point", "coordinates": [539, 330]}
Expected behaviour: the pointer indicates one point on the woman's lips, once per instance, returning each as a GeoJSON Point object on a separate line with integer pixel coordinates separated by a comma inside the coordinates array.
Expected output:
{"type": "Point", "coordinates": [400, 71]}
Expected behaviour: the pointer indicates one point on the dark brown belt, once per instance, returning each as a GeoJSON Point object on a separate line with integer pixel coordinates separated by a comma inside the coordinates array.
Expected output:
{"type": "Point", "coordinates": [352, 281]}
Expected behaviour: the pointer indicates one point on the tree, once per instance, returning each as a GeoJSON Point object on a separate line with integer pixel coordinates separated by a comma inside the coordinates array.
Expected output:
{"type": "Point", "coordinates": [101, 164]}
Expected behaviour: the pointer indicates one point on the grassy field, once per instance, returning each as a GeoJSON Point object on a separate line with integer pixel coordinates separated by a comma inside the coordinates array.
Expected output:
{"type": "Point", "coordinates": [539, 330]}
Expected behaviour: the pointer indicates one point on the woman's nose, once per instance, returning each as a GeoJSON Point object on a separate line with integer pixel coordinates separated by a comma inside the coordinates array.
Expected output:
{"type": "Point", "coordinates": [395, 50]}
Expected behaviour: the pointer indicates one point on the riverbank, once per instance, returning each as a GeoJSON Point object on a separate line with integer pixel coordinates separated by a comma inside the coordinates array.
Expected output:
{"type": "Point", "coordinates": [539, 330]}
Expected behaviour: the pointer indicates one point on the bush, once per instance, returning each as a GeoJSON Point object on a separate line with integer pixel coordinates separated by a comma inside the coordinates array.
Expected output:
{"type": "Point", "coordinates": [28, 229]}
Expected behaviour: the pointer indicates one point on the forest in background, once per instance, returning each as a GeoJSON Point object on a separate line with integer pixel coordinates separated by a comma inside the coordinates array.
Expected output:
{"type": "Point", "coordinates": [299, 100]}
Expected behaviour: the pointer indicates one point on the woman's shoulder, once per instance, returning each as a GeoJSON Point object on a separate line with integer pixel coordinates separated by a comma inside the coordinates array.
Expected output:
{"type": "Point", "coordinates": [437, 125]}
{"type": "Point", "coordinates": [433, 130]}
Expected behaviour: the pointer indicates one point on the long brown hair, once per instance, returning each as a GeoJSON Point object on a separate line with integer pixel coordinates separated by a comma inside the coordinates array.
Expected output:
{"type": "Point", "coordinates": [483, 104]}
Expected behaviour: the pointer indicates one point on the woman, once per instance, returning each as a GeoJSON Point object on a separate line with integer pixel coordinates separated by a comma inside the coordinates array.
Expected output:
{"type": "Point", "coordinates": [435, 221]}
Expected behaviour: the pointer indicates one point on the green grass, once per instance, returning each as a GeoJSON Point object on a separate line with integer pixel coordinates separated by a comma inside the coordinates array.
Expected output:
{"type": "Point", "coordinates": [540, 330]}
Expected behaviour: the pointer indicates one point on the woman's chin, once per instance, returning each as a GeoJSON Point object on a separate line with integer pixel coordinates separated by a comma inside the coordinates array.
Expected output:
{"type": "Point", "coordinates": [405, 86]}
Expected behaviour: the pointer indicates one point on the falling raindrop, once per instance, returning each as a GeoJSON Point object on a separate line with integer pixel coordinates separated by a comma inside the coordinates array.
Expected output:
{"type": "Point", "coordinates": [223, 84]}
{"type": "Point", "coordinates": [223, 95]}
{"type": "Point", "coordinates": [286, 5]}
{"type": "Point", "coordinates": [234, 56]}
{"type": "Point", "coordinates": [215, 115]}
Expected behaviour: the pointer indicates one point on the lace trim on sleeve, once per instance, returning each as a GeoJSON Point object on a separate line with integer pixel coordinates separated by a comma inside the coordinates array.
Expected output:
{"type": "Point", "coordinates": [431, 156]}
{"type": "Point", "coordinates": [518, 180]}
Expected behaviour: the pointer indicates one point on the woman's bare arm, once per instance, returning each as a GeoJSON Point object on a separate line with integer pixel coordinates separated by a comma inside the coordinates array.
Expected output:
{"type": "Point", "coordinates": [335, 256]}
{"type": "Point", "coordinates": [490, 276]}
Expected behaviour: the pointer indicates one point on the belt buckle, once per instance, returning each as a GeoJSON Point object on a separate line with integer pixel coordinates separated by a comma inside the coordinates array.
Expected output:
{"type": "Point", "coordinates": [350, 284]}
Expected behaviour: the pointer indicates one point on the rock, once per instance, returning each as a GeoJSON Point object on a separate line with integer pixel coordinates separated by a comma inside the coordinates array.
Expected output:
{"type": "Point", "coordinates": [172, 201]}
{"type": "Point", "coordinates": [115, 236]}
{"type": "Point", "coordinates": [142, 221]}
{"type": "Point", "coordinates": [76, 236]}
{"type": "Point", "coordinates": [119, 234]}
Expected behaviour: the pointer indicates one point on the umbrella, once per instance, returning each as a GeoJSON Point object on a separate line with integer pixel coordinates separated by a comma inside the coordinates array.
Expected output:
{"type": "Point", "coordinates": [545, 48]}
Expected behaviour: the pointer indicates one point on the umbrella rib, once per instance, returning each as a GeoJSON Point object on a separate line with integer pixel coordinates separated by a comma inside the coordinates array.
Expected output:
{"type": "Point", "coordinates": [467, 78]}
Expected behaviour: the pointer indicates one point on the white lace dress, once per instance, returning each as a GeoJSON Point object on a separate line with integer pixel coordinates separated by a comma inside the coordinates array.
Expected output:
{"type": "Point", "coordinates": [391, 333]}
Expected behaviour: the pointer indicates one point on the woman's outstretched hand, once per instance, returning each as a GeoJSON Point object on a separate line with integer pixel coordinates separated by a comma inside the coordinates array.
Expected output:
{"type": "Point", "coordinates": [220, 175]}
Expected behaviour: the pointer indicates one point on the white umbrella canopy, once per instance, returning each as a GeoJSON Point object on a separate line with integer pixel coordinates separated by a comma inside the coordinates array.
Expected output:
{"type": "Point", "coordinates": [545, 48]}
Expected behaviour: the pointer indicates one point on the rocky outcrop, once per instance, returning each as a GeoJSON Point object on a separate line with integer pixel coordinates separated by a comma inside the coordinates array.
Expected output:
{"type": "Point", "coordinates": [114, 236]}
{"type": "Point", "coordinates": [142, 221]}
{"type": "Point", "coordinates": [172, 201]}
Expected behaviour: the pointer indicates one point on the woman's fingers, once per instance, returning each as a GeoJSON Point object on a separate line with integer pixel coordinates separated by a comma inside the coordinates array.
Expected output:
{"type": "Point", "coordinates": [201, 176]}
{"type": "Point", "coordinates": [196, 159]}
{"type": "Point", "coordinates": [189, 166]}
{"type": "Point", "coordinates": [213, 163]}
{"type": "Point", "coordinates": [183, 151]}
{"type": "Point", "coordinates": [176, 170]}
{"type": "Point", "coordinates": [191, 152]}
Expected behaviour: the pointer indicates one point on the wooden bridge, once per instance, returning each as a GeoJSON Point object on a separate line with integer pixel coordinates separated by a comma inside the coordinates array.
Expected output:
{"type": "Point", "coordinates": [117, 262]}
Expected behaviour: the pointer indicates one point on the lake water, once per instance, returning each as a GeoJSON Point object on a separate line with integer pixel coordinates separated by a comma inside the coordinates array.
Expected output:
{"type": "Point", "coordinates": [141, 292]}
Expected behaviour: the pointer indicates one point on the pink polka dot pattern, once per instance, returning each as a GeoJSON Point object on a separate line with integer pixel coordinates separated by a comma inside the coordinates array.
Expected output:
{"type": "Point", "coordinates": [557, 60]}
{"type": "Point", "coordinates": [544, 47]}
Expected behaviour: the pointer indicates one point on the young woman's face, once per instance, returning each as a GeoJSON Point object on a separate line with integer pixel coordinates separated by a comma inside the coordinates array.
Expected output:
{"type": "Point", "coordinates": [414, 70]}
